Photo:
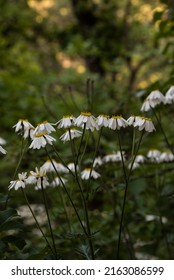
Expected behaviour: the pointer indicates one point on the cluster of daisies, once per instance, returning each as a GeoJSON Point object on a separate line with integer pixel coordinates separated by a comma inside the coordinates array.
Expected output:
{"type": "Point", "coordinates": [39, 177]}
{"type": "Point", "coordinates": [40, 135]}
{"type": "Point", "coordinates": [156, 97]}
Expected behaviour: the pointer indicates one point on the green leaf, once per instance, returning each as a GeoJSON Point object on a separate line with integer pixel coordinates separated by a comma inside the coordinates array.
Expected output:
{"type": "Point", "coordinates": [9, 219]}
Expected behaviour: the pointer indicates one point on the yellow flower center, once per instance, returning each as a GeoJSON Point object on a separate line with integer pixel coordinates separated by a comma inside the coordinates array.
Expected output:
{"type": "Point", "coordinates": [40, 134]}
{"type": "Point", "coordinates": [42, 123]}
{"type": "Point", "coordinates": [86, 114]}
{"type": "Point", "coordinates": [146, 119]}
{"type": "Point", "coordinates": [116, 117]}
{"type": "Point", "coordinates": [104, 116]}
{"type": "Point", "coordinates": [23, 120]}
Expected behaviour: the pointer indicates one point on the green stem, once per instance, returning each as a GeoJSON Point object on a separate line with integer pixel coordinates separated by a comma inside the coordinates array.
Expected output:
{"type": "Point", "coordinates": [83, 201]}
{"type": "Point", "coordinates": [60, 193]}
{"type": "Point", "coordinates": [127, 177]}
{"type": "Point", "coordinates": [39, 227]}
{"type": "Point", "coordinates": [69, 197]}
{"type": "Point", "coordinates": [23, 149]}
{"type": "Point", "coordinates": [163, 132]}
{"type": "Point", "coordinates": [48, 217]}
{"type": "Point", "coordinates": [95, 153]}
{"type": "Point", "coordinates": [160, 216]}
{"type": "Point", "coordinates": [79, 149]}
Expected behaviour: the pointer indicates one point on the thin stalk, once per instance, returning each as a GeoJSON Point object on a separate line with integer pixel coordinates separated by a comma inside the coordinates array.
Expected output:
{"type": "Point", "coordinates": [39, 227]}
{"type": "Point", "coordinates": [126, 177]}
{"type": "Point", "coordinates": [83, 200]}
{"type": "Point", "coordinates": [60, 193]}
{"type": "Point", "coordinates": [48, 217]}
{"type": "Point", "coordinates": [79, 149]}
{"type": "Point", "coordinates": [94, 156]}
{"type": "Point", "coordinates": [163, 132]}
{"type": "Point", "coordinates": [63, 162]}
{"type": "Point", "coordinates": [160, 216]}
{"type": "Point", "coordinates": [133, 143]}
{"type": "Point", "coordinates": [23, 149]}
{"type": "Point", "coordinates": [69, 197]}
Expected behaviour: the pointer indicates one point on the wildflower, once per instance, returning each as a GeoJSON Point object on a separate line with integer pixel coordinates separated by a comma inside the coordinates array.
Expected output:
{"type": "Point", "coordinates": [150, 218]}
{"type": "Point", "coordinates": [88, 173]}
{"type": "Point", "coordinates": [97, 161]}
{"type": "Point", "coordinates": [20, 182]}
{"type": "Point", "coordinates": [24, 126]}
{"type": "Point", "coordinates": [115, 157]}
{"type": "Point", "coordinates": [49, 165]}
{"type": "Point", "coordinates": [66, 121]}
{"type": "Point", "coordinates": [169, 96]}
{"type": "Point", "coordinates": [166, 157]}
{"type": "Point", "coordinates": [2, 141]}
{"type": "Point", "coordinates": [140, 159]}
{"type": "Point", "coordinates": [71, 166]}
{"type": "Point", "coordinates": [131, 120]}
{"type": "Point", "coordinates": [154, 155]}
{"type": "Point", "coordinates": [144, 123]}
{"type": "Point", "coordinates": [137, 162]}
{"type": "Point", "coordinates": [38, 177]}
{"type": "Point", "coordinates": [116, 122]}
{"type": "Point", "coordinates": [58, 182]}
{"type": "Point", "coordinates": [29, 133]}
{"type": "Point", "coordinates": [2, 150]}
{"type": "Point", "coordinates": [153, 99]}
{"type": "Point", "coordinates": [53, 166]}
{"type": "Point", "coordinates": [44, 127]}
{"type": "Point", "coordinates": [102, 120]}
{"type": "Point", "coordinates": [87, 119]}
{"type": "Point", "coordinates": [70, 134]}
{"type": "Point", "coordinates": [40, 140]}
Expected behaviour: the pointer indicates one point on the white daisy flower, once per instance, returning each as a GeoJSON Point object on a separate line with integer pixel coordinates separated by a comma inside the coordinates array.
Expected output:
{"type": "Point", "coordinates": [140, 159]}
{"type": "Point", "coordinates": [19, 183]}
{"type": "Point", "coordinates": [58, 182]}
{"type": "Point", "coordinates": [44, 127]}
{"type": "Point", "coordinates": [51, 165]}
{"type": "Point", "coordinates": [71, 166]}
{"type": "Point", "coordinates": [153, 99]}
{"type": "Point", "coordinates": [134, 166]}
{"type": "Point", "coordinates": [115, 157]}
{"type": "Point", "coordinates": [40, 140]}
{"type": "Point", "coordinates": [97, 161]}
{"type": "Point", "coordinates": [131, 120]}
{"type": "Point", "coordinates": [66, 122]}
{"type": "Point", "coordinates": [23, 125]}
{"type": "Point", "coordinates": [144, 123]}
{"type": "Point", "coordinates": [137, 162]}
{"type": "Point", "coordinates": [38, 178]}
{"type": "Point", "coordinates": [169, 96]}
{"type": "Point", "coordinates": [102, 120]}
{"type": "Point", "coordinates": [29, 133]}
{"type": "Point", "coordinates": [116, 122]}
{"type": "Point", "coordinates": [2, 141]}
{"type": "Point", "coordinates": [2, 150]}
{"type": "Point", "coordinates": [88, 119]}
{"type": "Point", "coordinates": [88, 173]}
{"type": "Point", "coordinates": [154, 155]}
{"type": "Point", "coordinates": [70, 134]}
{"type": "Point", "coordinates": [166, 157]}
